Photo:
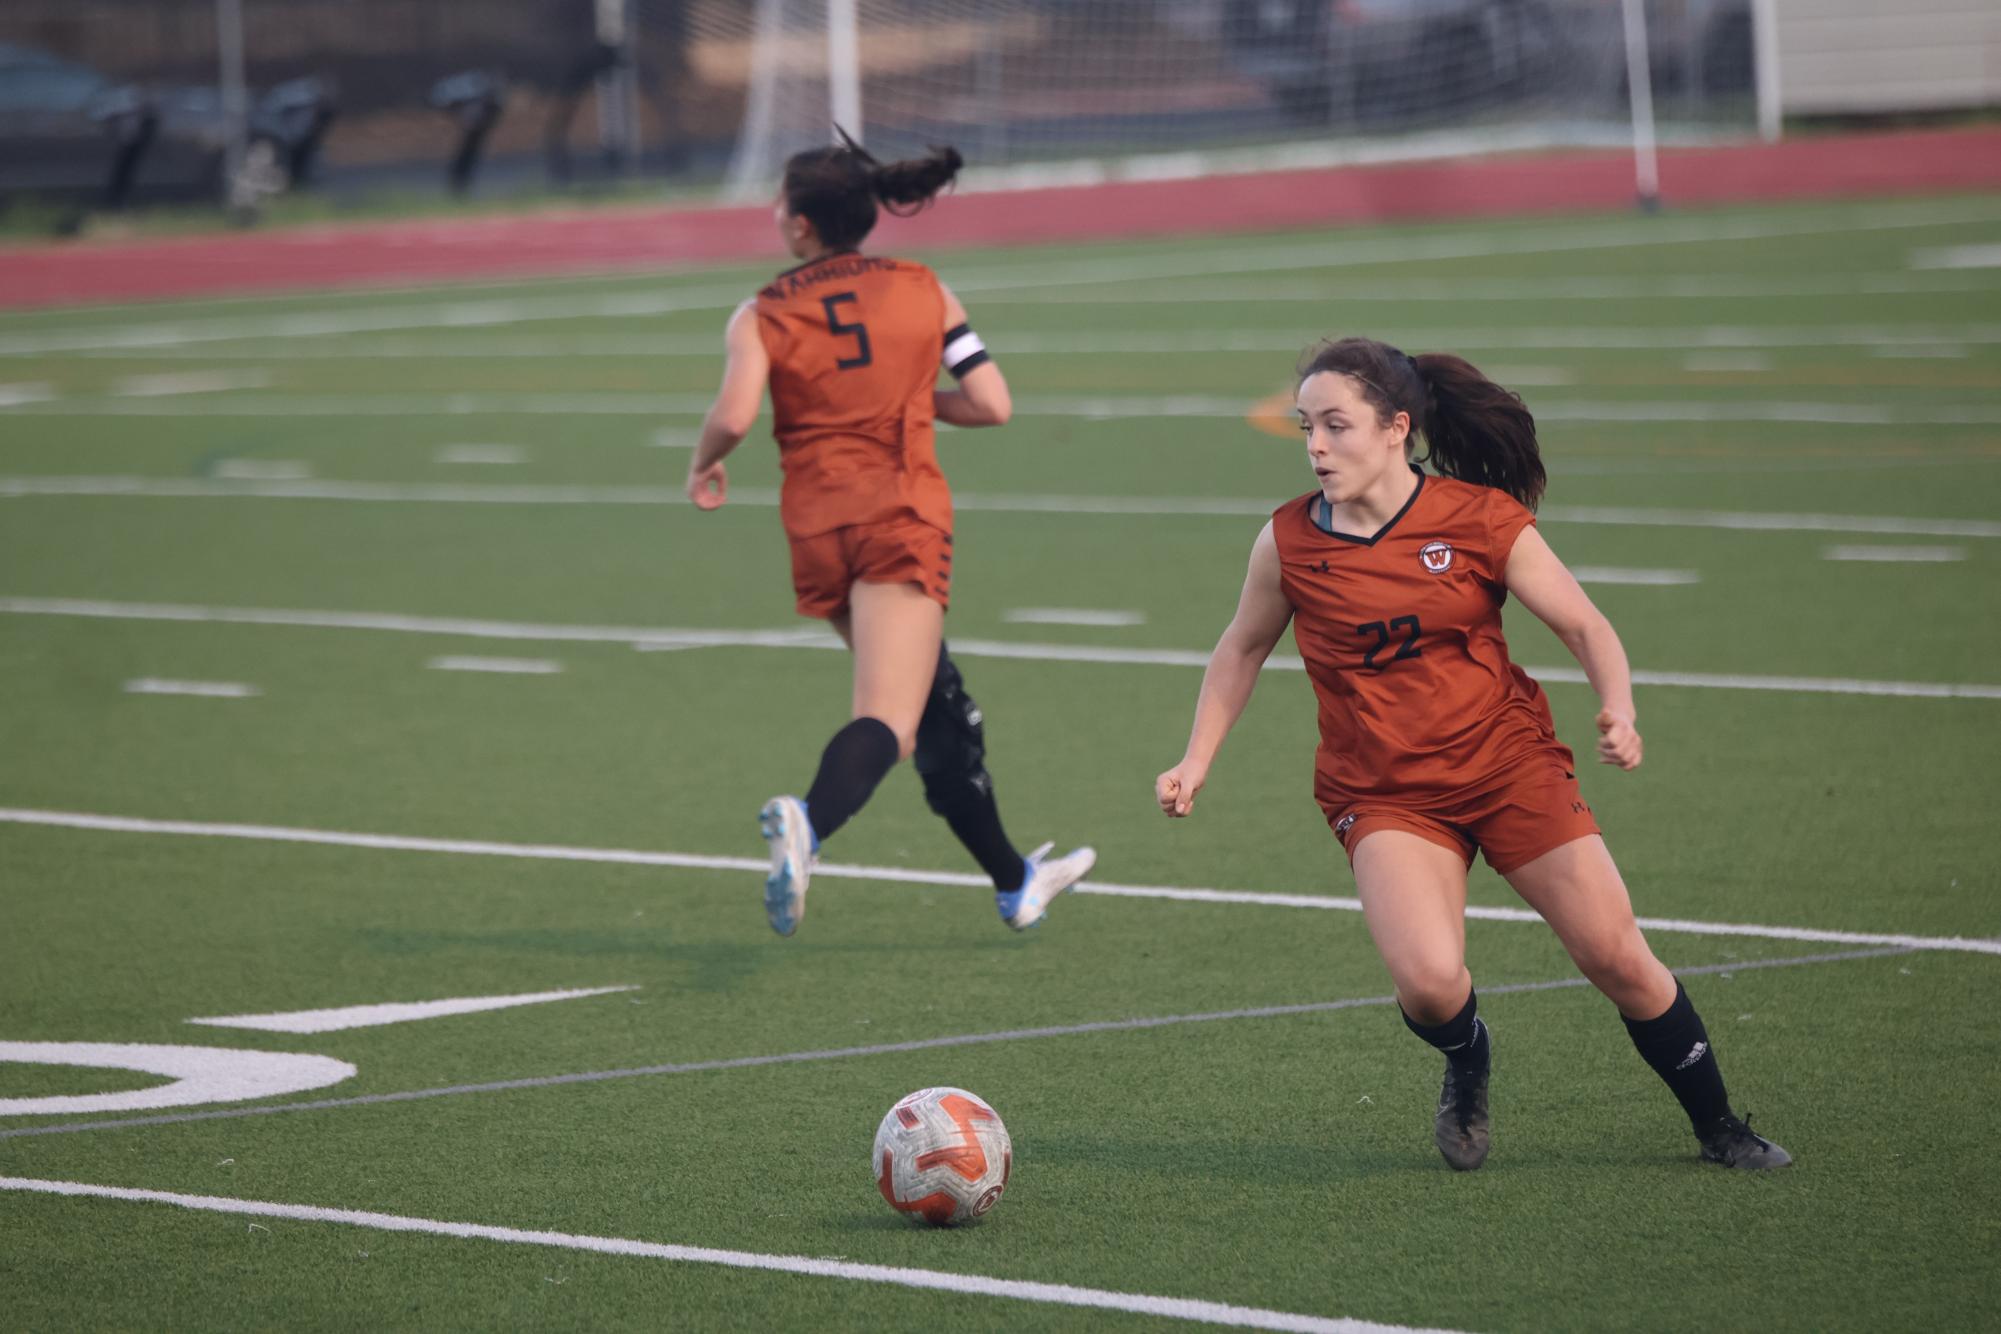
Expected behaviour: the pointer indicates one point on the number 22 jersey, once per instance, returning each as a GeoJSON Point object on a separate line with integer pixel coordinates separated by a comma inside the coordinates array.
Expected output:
{"type": "Point", "coordinates": [1401, 635]}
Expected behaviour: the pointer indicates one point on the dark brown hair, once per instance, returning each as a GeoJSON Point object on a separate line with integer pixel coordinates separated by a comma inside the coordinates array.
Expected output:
{"type": "Point", "coordinates": [1473, 429]}
{"type": "Point", "coordinates": [836, 188]}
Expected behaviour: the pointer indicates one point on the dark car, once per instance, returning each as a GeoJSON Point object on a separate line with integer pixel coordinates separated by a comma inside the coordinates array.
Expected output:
{"type": "Point", "coordinates": [65, 129]}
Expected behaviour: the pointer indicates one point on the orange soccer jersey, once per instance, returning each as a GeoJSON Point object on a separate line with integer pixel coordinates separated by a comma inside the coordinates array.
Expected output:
{"type": "Point", "coordinates": [855, 342]}
{"type": "Point", "coordinates": [1420, 706]}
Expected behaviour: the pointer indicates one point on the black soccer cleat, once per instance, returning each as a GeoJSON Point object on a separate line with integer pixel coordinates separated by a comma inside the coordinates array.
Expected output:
{"type": "Point", "coordinates": [1461, 1128]}
{"type": "Point", "coordinates": [1733, 1143]}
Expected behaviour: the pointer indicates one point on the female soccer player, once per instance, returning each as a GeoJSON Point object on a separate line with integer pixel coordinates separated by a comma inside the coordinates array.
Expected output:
{"type": "Point", "coordinates": [1432, 743]}
{"type": "Point", "coordinates": [850, 347]}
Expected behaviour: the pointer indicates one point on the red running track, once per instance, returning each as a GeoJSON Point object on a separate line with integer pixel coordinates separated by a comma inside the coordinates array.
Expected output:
{"type": "Point", "coordinates": [651, 238]}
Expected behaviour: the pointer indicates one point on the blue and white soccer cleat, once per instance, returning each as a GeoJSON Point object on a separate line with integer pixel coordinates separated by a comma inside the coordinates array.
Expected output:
{"type": "Point", "coordinates": [1024, 907]}
{"type": "Point", "coordinates": [790, 835]}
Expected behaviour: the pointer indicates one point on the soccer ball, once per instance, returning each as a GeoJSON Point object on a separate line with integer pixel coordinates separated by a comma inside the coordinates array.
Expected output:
{"type": "Point", "coordinates": [943, 1155]}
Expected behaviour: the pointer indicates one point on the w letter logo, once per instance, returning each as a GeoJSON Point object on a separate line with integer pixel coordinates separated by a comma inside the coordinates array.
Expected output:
{"type": "Point", "coordinates": [1437, 557]}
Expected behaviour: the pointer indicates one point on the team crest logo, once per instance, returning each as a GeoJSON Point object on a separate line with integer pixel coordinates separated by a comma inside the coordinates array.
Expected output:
{"type": "Point", "coordinates": [1437, 557]}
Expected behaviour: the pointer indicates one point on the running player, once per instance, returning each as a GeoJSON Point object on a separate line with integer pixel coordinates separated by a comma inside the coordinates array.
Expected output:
{"type": "Point", "coordinates": [850, 346]}
{"type": "Point", "coordinates": [1433, 744]}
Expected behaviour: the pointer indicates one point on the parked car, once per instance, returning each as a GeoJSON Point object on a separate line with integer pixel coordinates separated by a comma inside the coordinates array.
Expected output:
{"type": "Point", "coordinates": [64, 128]}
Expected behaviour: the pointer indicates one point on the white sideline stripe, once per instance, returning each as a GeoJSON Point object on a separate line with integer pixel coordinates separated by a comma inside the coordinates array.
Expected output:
{"type": "Point", "coordinates": [500, 455]}
{"type": "Point", "coordinates": [262, 470]}
{"type": "Point", "coordinates": [1617, 574]}
{"type": "Point", "coordinates": [1135, 407]}
{"type": "Point", "coordinates": [1223, 259]}
{"type": "Point", "coordinates": [1072, 616]}
{"type": "Point", "coordinates": [901, 875]}
{"type": "Point", "coordinates": [1459, 291]}
{"type": "Point", "coordinates": [153, 685]}
{"type": "Point", "coordinates": [503, 666]}
{"type": "Point", "coordinates": [1921, 554]}
{"type": "Point", "coordinates": [1958, 257]}
{"type": "Point", "coordinates": [1059, 1294]}
{"type": "Point", "coordinates": [1730, 362]}
{"type": "Point", "coordinates": [663, 638]}
{"type": "Point", "coordinates": [182, 488]}
{"type": "Point", "coordinates": [14, 395]}
{"type": "Point", "coordinates": [189, 382]}
{"type": "Point", "coordinates": [372, 1016]}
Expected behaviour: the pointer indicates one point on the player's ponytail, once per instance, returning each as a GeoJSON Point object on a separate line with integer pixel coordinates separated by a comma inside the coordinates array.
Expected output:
{"type": "Point", "coordinates": [836, 188]}
{"type": "Point", "coordinates": [1473, 429]}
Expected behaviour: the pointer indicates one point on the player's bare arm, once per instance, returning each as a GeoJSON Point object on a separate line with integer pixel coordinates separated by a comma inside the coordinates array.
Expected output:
{"type": "Point", "coordinates": [1261, 617]}
{"type": "Point", "coordinates": [1546, 587]}
{"type": "Point", "coordinates": [982, 398]}
{"type": "Point", "coordinates": [733, 413]}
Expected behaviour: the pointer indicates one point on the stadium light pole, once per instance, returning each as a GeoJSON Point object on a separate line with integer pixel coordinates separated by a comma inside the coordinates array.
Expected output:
{"type": "Point", "coordinates": [1640, 92]}
{"type": "Point", "coordinates": [235, 99]}
{"type": "Point", "coordinates": [844, 72]}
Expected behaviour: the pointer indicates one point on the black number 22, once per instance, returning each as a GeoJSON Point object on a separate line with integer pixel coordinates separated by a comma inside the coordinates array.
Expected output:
{"type": "Point", "coordinates": [863, 356]}
{"type": "Point", "coordinates": [1407, 649]}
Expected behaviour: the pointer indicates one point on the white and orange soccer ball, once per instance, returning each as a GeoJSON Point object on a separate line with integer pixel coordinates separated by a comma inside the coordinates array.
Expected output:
{"type": "Point", "coordinates": [943, 1155]}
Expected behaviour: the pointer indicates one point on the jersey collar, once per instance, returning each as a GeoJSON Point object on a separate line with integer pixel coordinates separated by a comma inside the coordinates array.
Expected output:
{"type": "Point", "coordinates": [818, 259]}
{"type": "Point", "coordinates": [1323, 515]}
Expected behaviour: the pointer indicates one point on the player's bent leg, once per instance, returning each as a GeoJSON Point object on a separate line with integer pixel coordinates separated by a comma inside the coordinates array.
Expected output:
{"type": "Point", "coordinates": [1577, 889]}
{"type": "Point", "coordinates": [1413, 893]}
{"type": "Point", "coordinates": [895, 630]}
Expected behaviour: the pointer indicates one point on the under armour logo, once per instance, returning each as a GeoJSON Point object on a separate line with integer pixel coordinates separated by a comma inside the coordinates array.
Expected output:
{"type": "Point", "coordinates": [1323, 567]}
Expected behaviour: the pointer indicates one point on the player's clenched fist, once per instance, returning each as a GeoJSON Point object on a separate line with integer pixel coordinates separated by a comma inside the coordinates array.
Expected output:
{"type": "Point", "coordinates": [1618, 740]}
{"type": "Point", "coordinates": [1175, 790]}
{"type": "Point", "coordinates": [708, 487]}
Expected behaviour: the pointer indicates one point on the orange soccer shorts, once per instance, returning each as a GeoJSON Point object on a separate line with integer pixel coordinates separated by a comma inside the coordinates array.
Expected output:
{"type": "Point", "coordinates": [1536, 808]}
{"type": "Point", "coordinates": [896, 551]}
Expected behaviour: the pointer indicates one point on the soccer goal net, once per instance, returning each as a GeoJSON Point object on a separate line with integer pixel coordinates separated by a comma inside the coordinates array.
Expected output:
{"type": "Point", "coordinates": [1054, 90]}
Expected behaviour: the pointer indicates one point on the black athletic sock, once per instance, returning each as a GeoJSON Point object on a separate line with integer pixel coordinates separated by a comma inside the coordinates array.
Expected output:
{"type": "Point", "coordinates": [850, 767]}
{"type": "Point", "coordinates": [1677, 1046]}
{"type": "Point", "coordinates": [977, 823]}
{"type": "Point", "coordinates": [1463, 1038]}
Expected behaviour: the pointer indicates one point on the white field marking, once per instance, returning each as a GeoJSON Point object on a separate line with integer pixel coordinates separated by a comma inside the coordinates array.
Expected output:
{"type": "Point", "coordinates": [153, 685]}
{"type": "Point", "coordinates": [662, 638]}
{"type": "Point", "coordinates": [1958, 257]}
{"type": "Point", "coordinates": [668, 437]}
{"type": "Point", "coordinates": [1072, 616]}
{"type": "Point", "coordinates": [200, 1074]}
{"type": "Point", "coordinates": [1227, 257]}
{"type": "Point", "coordinates": [1127, 407]}
{"type": "Point", "coordinates": [15, 395]}
{"type": "Point", "coordinates": [1057, 1294]}
{"type": "Point", "coordinates": [904, 875]}
{"type": "Point", "coordinates": [969, 502]}
{"type": "Point", "coordinates": [189, 382]}
{"type": "Point", "coordinates": [1926, 555]}
{"type": "Point", "coordinates": [262, 470]}
{"type": "Point", "coordinates": [372, 1016]}
{"type": "Point", "coordinates": [497, 455]}
{"type": "Point", "coordinates": [502, 666]}
{"type": "Point", "coordinates": [1617, 574]}
{"type": "Point", "coordinates": [1459, 291]}
{"type": "Point", "coordinates": [1923, 352]}
{"type": "Point", "coordinates": [1732, 362]}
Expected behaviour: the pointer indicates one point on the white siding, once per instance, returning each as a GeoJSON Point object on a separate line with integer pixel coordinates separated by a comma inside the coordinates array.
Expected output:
{"type": "Point", "coordinates": [1888, 55]}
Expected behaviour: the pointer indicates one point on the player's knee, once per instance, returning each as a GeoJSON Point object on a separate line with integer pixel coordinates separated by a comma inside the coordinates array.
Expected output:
{"type": "Point", "coordinates": [1625, 970]}
{"type": "Point", "coordinates": [1432, 990]}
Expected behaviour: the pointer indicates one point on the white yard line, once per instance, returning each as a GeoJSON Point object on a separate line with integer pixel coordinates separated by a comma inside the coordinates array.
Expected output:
{"type": "Point", "coordinates": [501, 666]}
{"type": "Point", "coordinates": [1958, 257]}
{"type": "Point", "coordinates": [656, 638]}
{"type": "Point", "coordinates": [1617, 574]}
{"type": "Point", "coordinates": [904, 875]}
{"type": "Point", "coordinates": [189, 382]}
{"type": "Point", "coordinates": [1072, 616]}
{"type": "Point", "coordinates": [262, 470]}
{"type": "Point", "coordinates": [1462, 291]}
{"type": "Point", "coordinates": [153, 685]}
{"type": "Point", "coordinates": [16, 395]}
{"type": "Point", "coordinates": [1726, 362]}
{"type": "Point", "coordinates": [1922, 555]}
{"type": "Point", "coordinates": [1226, 257]}
{"type": "Point", "coordinates": [488, 455]}
{"type": "Point", "coordinates": [373, 1016]}
{"type": "Point", "coordinates": [1057, 1294]}
{"type": "Point", "coordinates": [176, 488]}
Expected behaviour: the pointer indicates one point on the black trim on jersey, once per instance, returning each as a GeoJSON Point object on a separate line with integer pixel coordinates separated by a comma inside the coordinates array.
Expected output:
{"type": "Point", "coordinates": [1316, 506]}
{"type": "Point", "coordinates": [817, 259]}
